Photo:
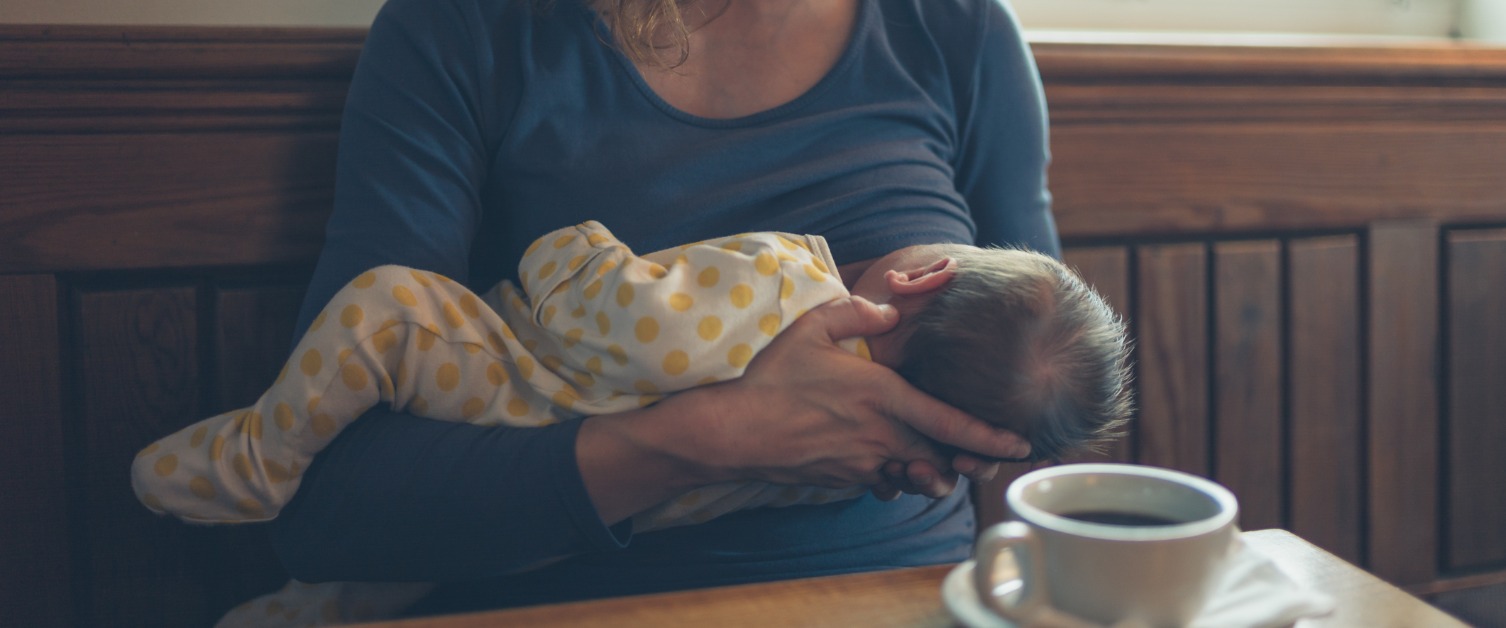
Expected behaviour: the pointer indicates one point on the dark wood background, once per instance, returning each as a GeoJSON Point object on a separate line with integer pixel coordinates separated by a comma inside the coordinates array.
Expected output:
{"type": "Point", "coordinates": [1309, 242]}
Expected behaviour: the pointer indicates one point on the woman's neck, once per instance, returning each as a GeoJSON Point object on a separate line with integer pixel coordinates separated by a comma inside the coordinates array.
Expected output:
{"type": "Point", "coordinates": [750, 56]}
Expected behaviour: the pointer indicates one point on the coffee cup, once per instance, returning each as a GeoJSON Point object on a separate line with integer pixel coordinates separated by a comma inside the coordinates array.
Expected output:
{"type": "Point", "coordinates": [1104, 544]}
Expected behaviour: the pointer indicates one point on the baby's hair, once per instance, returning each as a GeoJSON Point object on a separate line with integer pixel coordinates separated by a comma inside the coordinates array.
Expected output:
{"type": "Point", "coordinates": [1018, 340]}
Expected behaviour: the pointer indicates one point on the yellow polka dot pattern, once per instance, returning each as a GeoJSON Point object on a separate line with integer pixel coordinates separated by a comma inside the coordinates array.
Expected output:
{"type": "Point", "coordinates": [351, 315]}
{"type": "Point", "coordinates": [647, 329]}
{"type": "Point", "coordinates": [710, 328]}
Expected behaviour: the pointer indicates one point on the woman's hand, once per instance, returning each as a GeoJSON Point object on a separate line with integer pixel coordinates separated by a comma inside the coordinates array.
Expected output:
{"type": "Point", "coordinates": [809, 412]}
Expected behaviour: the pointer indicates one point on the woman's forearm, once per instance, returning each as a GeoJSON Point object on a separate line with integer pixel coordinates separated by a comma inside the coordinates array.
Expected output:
{"type": "Point", "coordinates": [397, 497]}
{"type": "Point", "coordinates": [633, 461]}
{"type": "Point", "coordinates": [401, 498]}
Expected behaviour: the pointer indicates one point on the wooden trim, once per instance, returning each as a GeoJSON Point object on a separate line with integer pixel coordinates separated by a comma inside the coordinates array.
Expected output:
{"type": "Point", "coordinates": [1217, 148]}
{"type": "Point", "coordinates": [95, 79]}
{"type": "Point", "coordinates": [1445, 585]}
{"type": "Point", "coordinates": [136, 52]}
{"type": "Point", "coordinates": [1253, 139]}
{"type": "Point", "coordinates": [1269, 62]}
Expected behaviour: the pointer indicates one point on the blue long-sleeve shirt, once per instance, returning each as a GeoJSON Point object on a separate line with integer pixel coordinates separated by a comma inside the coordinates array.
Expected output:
{"type": "Point", "coordinates": [474, 126]}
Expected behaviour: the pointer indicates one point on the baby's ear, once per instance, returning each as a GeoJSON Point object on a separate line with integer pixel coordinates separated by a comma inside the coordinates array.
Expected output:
{"type": "Point", "coordinates": [929, 278]}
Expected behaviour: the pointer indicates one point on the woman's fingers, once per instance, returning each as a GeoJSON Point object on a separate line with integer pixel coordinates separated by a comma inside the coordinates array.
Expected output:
{"type": "Point", "coordinates": [927, 480]}
{"type": "Point", "coordinates": [851, 317]}
{"type": "Point", "coordinates": [975, 468]}
{"type": "Point", "coordinates": [808, 412]}
{"type": "Point", "coordinates": [950, 426]}
{"type": "Point", "coordinates": [856, 316]}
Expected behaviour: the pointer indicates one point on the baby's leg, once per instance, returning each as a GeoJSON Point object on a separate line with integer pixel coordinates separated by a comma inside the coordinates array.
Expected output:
{"type": "Point", "coordinates": [413, 339]}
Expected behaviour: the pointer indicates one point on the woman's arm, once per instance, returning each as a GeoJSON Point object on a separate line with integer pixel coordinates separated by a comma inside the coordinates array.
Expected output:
{"type": "Point", "coordinates": [1000, 168]}
{"type": "Point", "coordinates": [1004, 141]}
{"type": "Point", "coordinates": [397, 497]}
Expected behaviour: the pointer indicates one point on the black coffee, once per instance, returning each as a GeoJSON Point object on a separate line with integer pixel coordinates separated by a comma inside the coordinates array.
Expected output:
{"type": "Point", "coordinates": [1119, 518]}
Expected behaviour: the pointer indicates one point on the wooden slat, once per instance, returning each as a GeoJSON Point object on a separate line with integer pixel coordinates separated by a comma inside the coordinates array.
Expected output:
{"type": "Point", "coordinates": [1172, 350]}
{"type": "Point", "coordinates": [1107, 270]}
{"type": "Point", "coordinates": [1247, 379]}
{"type": "Point", "coordinates": [138, 367]}
{"type": "Point", "coordinates": [1476, 507]}
{"type": "Point", "coordinates": [163, 201]}
{"type": "Point", "coordinates": [35, 553]}
{"type": "Point", "coordinates": [1403, 401]}
{"type": "Point", "coordinates": [253, 333]}
{"type": "Point", "coordinates": [1327, 487]}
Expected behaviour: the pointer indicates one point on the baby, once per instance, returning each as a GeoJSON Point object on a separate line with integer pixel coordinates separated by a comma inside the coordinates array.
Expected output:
{"type": "Point", "coordinates": [1010, 336]}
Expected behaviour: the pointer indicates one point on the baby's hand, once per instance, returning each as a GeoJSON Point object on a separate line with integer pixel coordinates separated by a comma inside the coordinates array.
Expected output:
{"type": "Point", "coordinates": [917, 477]}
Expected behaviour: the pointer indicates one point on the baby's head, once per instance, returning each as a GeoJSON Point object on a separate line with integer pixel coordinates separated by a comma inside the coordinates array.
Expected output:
{"type": "Point", "coordinates": [1010, 336]}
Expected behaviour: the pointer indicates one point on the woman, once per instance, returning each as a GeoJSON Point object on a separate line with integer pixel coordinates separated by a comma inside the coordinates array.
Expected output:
{"type": "Point", "coordinates": [473, 126]}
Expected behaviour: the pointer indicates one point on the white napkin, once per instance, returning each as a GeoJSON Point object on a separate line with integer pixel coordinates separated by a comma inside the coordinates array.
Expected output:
{"type": "Point", "coordinates": [1253, 591]}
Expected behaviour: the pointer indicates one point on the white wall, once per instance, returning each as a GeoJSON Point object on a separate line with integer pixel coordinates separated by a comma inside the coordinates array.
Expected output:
{"type": "Point", "coordinates": [1483, 19]}
{"type": "Point", "coordinates": [1426, 18]}
{"type": "Point", "coordinates": [191, 12]}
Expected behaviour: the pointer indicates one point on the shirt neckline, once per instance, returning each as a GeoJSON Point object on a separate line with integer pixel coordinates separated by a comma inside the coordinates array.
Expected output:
{"type": "Point", "coordinates": [859, 33]}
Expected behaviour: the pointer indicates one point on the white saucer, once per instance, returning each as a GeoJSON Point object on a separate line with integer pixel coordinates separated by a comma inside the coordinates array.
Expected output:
{"type": "Point", "coordinates": [961, 598]}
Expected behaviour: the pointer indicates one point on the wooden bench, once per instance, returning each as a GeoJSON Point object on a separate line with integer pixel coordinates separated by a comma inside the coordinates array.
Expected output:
{"type": "Point", "coordinates": [1309, 242]}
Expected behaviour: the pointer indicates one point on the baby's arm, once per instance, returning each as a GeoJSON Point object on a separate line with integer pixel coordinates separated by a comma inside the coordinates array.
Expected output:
{"type": "Point", "coordinates": [649, 325]}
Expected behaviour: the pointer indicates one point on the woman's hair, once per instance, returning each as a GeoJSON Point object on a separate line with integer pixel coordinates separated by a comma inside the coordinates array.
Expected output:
{"type": "Point", "coordinates": [647, 31]}
{"type": "Point", "coordinates": [1016, 339]}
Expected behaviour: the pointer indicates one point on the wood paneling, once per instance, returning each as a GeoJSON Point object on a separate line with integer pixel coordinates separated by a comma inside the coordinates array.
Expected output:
{"type": "Point", "coordinates": [35, 582]}
{"type": "Point", "coordinates": [1171, 319]}
{"type": "Point", "coordinates": [1248, 436]}
{"type": "Point", "coordinates": [1107, 270]}
{"type": "Point", "coordinates": [1403, 401]}
{"type": "Point", "coordinates": [1326, 439]}
{"type": "Point", "coordinates": [161, 148]}
{"type": "Point", "coordinates": [1313, 174]}
{"type": "Point", "coordinates": [183, 155]}
{"type": "Point", "coordinates": [137, 355]}
{"type": "Point", "coordinates": [1476, 506]}
{"type": "Point", "coordinates": [163, 201]}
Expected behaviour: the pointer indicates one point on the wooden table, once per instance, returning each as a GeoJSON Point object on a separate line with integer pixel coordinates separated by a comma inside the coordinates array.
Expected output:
{"type": "Point", "coordinates": [912, 597]}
